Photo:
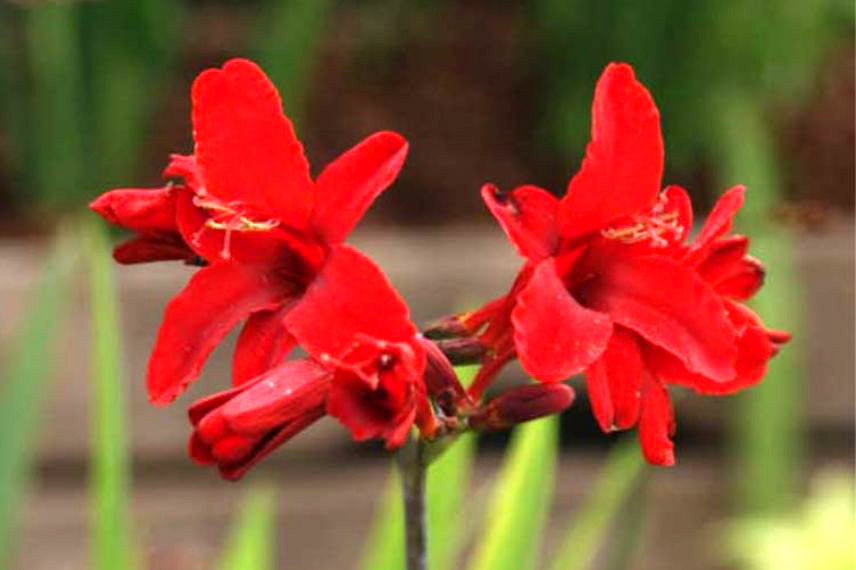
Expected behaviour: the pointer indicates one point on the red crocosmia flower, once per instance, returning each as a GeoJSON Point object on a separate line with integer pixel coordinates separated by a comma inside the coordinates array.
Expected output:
{"type": "Point", "coordinates": [609, 287]}
{"type": "Point", "coordinates": [373, 350]}
{"type": "Point", "coordinates": [248, 211]}
{"type": "Point", "coordinates": [366, 369]}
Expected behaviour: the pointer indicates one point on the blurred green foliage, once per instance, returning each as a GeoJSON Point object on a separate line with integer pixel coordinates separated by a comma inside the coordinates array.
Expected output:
{"type": "Point", "coordinates": [28, 365]}
{"type": "Point", "coordinates": [689, 54]}
{"type": "Point", "coordinates": [818, 534]}
{"type": "Point", "coordinates": [251, 543]}
{"type": "Point", "coordinates": [109, 473]}
{"type": "Point", "coordinates": [80, 83]}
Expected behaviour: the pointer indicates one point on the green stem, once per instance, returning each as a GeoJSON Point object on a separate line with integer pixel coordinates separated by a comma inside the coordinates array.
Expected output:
{"type": "Point", "coordinates": [412, 464]}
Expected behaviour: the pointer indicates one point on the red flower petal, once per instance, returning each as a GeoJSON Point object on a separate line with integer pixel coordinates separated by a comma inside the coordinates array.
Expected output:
{"type": "Point", "coordinates": [527, 214]}
{"type": "Point", "coordinates": [614, 382]}
{"type": "Point", "coordinates": [283, 394]}
{"type": "Point", "coordinates": [215, 300]}
{"type": "Point", "coordinates": [555, 336]}
{"type": "Point", "coordinates": [717, 224]}
{"type": "Point", "coordinates": [140, 210]}
{"type": "Point", "coordinates": [676, 199]}
{"type": "Point", "coordinates": [372, 413]}
{"type": "Point", "coordinates": [621, 173]}
{"type": "Point", "coordinates": [666, 303]}
{"type": "Point", "coordinates": [350, 296]}
{"type": "Point", "coordinates": [656, 423]}
{"type": "Point", "coordinates": [754, 350]}
{"type": "Point", "coordinates": [349, 184]}
{"type": "Point", "coordinates": [263, 343]}
{"type": "Point", "coordinates": [246, 147]}
{"type": "Point", "coordinates": [153, 247]}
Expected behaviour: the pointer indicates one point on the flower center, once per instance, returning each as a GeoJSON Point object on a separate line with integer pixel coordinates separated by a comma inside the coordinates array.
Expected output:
{"type": "Point", "coordinates": [655, 227]}
{"type": "Point", "coordinates": [229, 218]}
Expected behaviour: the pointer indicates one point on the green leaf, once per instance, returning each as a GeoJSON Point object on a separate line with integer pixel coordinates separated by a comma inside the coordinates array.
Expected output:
{"type": "Point", "coordinates": [251, 542]}
{"type": "Point", "coordinates": [591, 522]}
{"type": "Point", "coordinates": [521, 500]}
{"type": "Point", "coordinates": [29, 362]}
{"type": "Point", "coordinates": [109, 474]}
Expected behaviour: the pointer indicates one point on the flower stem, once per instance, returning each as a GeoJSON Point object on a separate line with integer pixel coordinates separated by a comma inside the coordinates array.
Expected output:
{"type": "Point", "coordinates": [412, 464]}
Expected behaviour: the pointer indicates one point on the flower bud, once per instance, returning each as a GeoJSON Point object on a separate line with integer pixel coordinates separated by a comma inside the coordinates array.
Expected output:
{"type": "Point", "coordinates": [446, 327]}
{"type": "Point", "coordinates": [440, 379]}
{"type": "Point", "coordinates": [462, 351]}
{"type": "Point", "coordinates": [521, 404]}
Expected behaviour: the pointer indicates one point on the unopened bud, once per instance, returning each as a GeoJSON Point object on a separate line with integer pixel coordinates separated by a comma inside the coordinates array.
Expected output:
{"type": "Point", "coordinates": [446, 327]}
{"type": "Point", "coordinates": [462, 351]}
{"type": "Point", "coordinates": [440, 379]}
{"type": "Point", "coordinates": [521, 404]}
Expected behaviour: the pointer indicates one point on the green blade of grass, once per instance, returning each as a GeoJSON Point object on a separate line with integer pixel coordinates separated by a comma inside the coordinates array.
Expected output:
{"type": "Point", "coordinates": [29, 363]}
{"type": "Point", "coordinates": [250, 545]}
{"type": "Point", "coordinates": [109, 471]}
{"type": "Point", "coordinates": [446, 487]}
{"type": "Point", "coordinates": [384, 547]}
{"type": "Point", "coordinates": [590, 523]}
{"type": "Point", "coordinates": [520, 500]}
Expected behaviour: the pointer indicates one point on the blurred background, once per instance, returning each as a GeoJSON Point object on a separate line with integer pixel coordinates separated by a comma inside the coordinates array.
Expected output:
{"type": "Point", "coordinates": [94, 95]}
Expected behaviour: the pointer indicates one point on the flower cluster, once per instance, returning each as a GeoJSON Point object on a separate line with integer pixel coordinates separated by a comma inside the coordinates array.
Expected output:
{"type": "Point", "coordinates": [609, 286]}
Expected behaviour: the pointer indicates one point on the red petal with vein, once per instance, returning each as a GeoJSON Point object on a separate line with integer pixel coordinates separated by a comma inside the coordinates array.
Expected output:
{"type": "Point", "coordinates": [263, 343]}
{"type": "Point", "coordinates": [350, 296]}
{"type": "Point", "coordinates": [246, 147]}
{"type": "Point", "coordinates": [153, 247]}
{"type": "Point", "coordinates": [717, 224]}
{"type": "Point", "coordinates": [744, 281]}
{"type": "Point", "coordinates": [281, 395]}
{"type": "Point", "coordinates": [656, 423]}
{"type": "Point", "coordinates": [729, 270]}
{"type": "Point", "coordinates": [669, 305]}
{"type": "Point", "coordinates": [217, 298]}
{"type": "Point", "coordinates": [140, 210]}
{"type": "Point", "coordinates": [555, 336]}
{"type": "Point", "coordinates": [527, 214]}
{"type": "Point", "coordinates": [349, 184]}
{"type": "Point", "coordinates": [614, 382]}
{"type": "Point", "coordinates": [621, 173]}
{"type": "Point", "coordinates": [754, 350]}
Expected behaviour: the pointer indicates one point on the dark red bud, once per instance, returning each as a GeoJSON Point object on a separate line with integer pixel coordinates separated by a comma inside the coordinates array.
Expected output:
{"type": "Point", "coordinates": [462, 351]}
{"type": "Point", "coordinates": [522, 404]}
{"type": "Point", "coordinates": [446, 327]}
{"type": "Point", "coordinates": [440, 379]}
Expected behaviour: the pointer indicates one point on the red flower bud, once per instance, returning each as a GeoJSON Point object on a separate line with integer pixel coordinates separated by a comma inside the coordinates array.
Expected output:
{"type": "Point", "coordinates": [236, 428]}
{"type": "Point", "coordinates": [522, 404]}
{"type": "Point", "coordinates": [459, 351]}
{"type": "Point", "coordinates": [440, 379]}
{"type": "Point", "coordinates": [446, 327]}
